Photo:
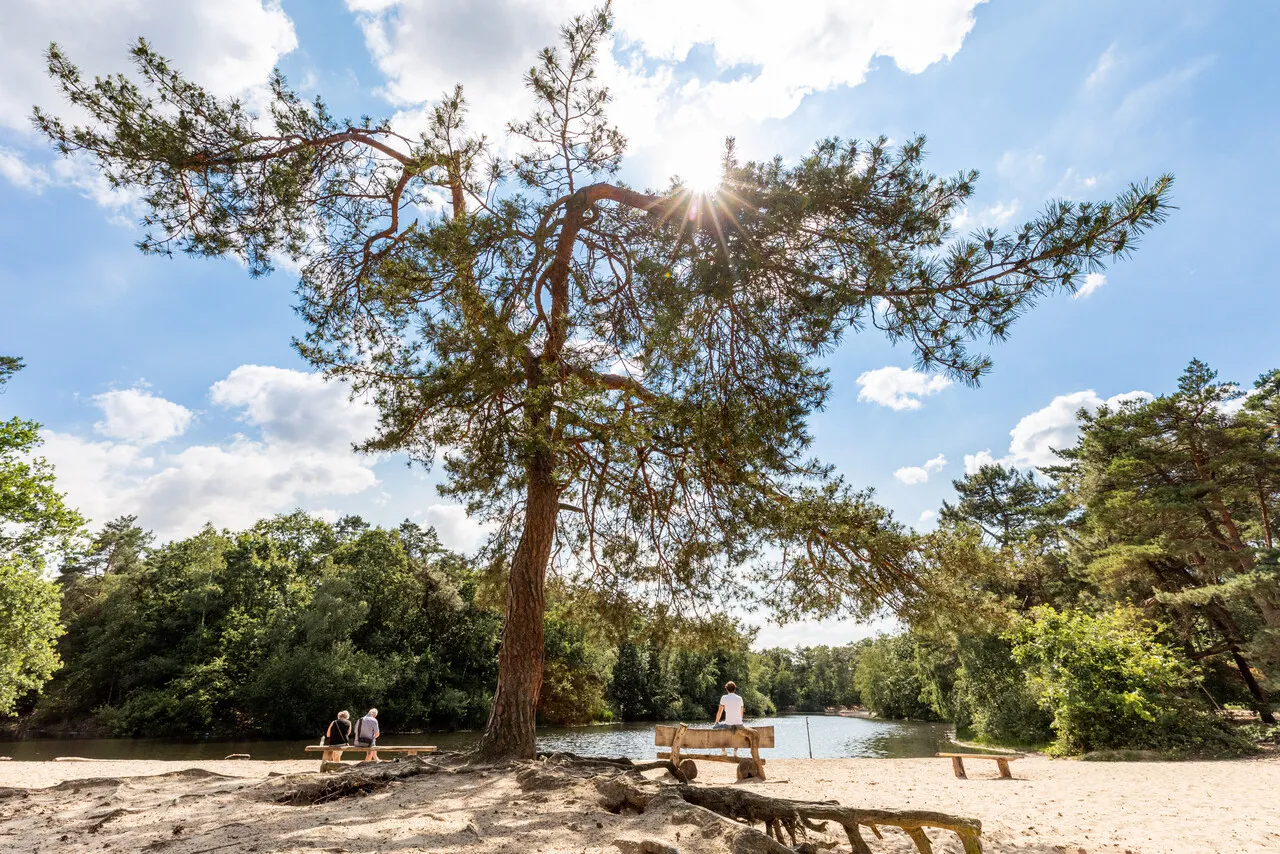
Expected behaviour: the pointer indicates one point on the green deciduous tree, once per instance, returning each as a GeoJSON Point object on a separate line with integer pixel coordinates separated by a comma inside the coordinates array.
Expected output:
{"type": "Point", "coordinates": [617, 377]}
{"type": "Point", "coordinates": [272, 630]}
{"type": "Point", "coordinates": [629, 689]}
{"type": "Point", "coordinates": [1110, 683]}
{"type": "Point", "coordinates": [29, 626]}
{"type": "Point", "coordinates": [35, 523]}
{"type": "Point", "coordinates": [889, 680]}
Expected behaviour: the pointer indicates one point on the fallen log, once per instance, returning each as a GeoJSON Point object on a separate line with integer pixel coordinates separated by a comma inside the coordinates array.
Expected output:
{"type": "Point", "coordinates": [781, 814]}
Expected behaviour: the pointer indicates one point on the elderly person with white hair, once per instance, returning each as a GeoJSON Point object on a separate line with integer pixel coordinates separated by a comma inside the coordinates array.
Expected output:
{"type": "Point", "coordinates": [339, 731]}
{"type": "Point", "coordinates": [367, 733]}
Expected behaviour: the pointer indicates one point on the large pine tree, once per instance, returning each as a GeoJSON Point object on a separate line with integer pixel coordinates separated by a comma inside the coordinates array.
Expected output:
{"type": "Point", "coordinates": [620, 380]}
{"type": "Point", "coordinates": [1181, 497]}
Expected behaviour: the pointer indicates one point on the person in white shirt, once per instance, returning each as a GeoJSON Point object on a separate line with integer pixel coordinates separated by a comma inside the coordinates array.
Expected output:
{"type": "Point", "coordinates": [731, 710]}
{"type": "Point", "coordinates": [730, 707]}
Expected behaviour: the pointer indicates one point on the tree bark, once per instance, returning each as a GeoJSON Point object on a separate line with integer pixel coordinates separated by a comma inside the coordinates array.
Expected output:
{"type": "Point", "coordinates": [1264, 703]}
{"type": "Point", "coordinates": [511, 729]}
{"type": "Point", "coordinates": [1221, 618]}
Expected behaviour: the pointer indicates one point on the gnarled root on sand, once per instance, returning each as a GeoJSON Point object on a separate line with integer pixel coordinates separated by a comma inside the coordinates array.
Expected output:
{"type": "Point", "coordinates": [363, 778]}
{"type": "Point", "coordinates": [782, 816]}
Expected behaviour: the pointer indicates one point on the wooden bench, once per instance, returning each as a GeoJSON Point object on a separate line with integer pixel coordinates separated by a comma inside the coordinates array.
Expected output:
{"type": "Point", "coordinates": [681, 738]}
{"type": "Point", "coordinates": [331, 754]}
{"type": "Point", "coordinates": [1002, 761]}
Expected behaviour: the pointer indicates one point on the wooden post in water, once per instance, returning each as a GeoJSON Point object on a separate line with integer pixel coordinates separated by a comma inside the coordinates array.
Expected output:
{"type": "Point", "coordinates": [807, 737]}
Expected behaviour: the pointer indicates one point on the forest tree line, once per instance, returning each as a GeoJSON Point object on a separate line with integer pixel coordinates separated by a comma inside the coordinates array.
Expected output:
{"type": "Point", "coordinates": [1116, 600]}
{"type": "Point", "coordinates": [271, 630]}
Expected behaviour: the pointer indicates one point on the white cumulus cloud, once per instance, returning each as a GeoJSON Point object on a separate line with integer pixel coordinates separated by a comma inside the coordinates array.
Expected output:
{"type": "Point", "coordinates": [229, 47]}
{"type": "Point", "coordinates": [295, 408]}
{"type": "Point", "coordinates": [911, 475]}
{"type": "Point", "coordinates": [1036, 436]}
{"type": "Point", "coordinates": [763, 64]}
{"type": "Point", "coordinates": [300, 454]}
{"type": "Point", "coordinates": [899, 388]}
{"type": "Point", "coordinates": [1092, 282]}
{"type": "Point", "coordinates": [139, 417]}
{"type": "Point", "coordinates": [973, 462]}
{"type": "Point", "coordinates": [456, 529]}
{"type": "Point", "coordinates": [20, 173]}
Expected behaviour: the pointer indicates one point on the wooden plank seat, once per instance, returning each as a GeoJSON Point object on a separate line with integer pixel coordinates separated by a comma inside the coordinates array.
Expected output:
{"type": "Point", "coordinates": [1002, 761]}
{"type": "Point", "coordinates": [682, 737]}
{"type": "Point", "coordinates": [331, 754]}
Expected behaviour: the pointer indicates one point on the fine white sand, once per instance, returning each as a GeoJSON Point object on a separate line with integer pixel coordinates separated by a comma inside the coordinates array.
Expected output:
{"type": "Point", "coordinates": [1050, 806]}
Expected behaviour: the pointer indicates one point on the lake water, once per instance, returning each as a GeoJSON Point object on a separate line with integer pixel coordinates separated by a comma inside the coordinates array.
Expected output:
{"type": "Point", "coordinates": [830, 736]}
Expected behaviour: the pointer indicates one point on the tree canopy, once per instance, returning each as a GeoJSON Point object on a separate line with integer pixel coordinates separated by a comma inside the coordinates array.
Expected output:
{"type": "Point", "coordinates": [620, 380]}
{"type": "Point", "coordinates": [1113, 600]}
{"type": "Point", "coordinates": [35, 524]}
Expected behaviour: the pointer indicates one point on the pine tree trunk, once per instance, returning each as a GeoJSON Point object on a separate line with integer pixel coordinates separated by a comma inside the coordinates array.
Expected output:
{"type": "Point", "coordinates": [1226, 624]}
{"type": "Point", "coordinates": [511, 729]}
{"type": "Point", "coordinates": [1259, 696]}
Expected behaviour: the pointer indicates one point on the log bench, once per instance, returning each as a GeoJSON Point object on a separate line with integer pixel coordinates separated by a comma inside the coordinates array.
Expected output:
{"type": "Point", "coordinates": [331, 754]}
{"type": "Point", "coordinates": [1002, 761]}
{"type": "Point", "coordinates": [681, 738]}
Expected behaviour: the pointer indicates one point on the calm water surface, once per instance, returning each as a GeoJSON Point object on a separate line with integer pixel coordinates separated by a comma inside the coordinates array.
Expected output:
{"type": "Point", "coordinates": [830, 736]}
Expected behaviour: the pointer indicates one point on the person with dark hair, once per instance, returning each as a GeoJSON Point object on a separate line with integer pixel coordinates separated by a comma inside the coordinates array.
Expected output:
{"type": "Point", "coordinates": [731, 707]}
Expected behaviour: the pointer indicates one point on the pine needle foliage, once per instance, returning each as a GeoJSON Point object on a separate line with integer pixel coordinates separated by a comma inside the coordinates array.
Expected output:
{"type": "Point", "coordinates": [619, 380]}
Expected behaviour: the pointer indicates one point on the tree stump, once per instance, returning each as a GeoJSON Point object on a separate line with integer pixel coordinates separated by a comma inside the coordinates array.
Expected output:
{"type": "Point", "coordinates": [749, 770]}
{"type": "Point", "coordinates": [689, 770]}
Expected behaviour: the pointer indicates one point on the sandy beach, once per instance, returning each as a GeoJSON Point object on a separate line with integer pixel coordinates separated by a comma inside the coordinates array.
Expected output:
{"type": "Point", "coordinates": [1050, 806]}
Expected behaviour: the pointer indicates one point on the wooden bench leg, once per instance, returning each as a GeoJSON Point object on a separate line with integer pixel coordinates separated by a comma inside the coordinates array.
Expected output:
{"type": "Point", "coordinates": [331, 760]}
{"type": "Point", "coordinates": [754, 737]}
{"type": "Point", "coordinates": [1004, 769]}
{"type": "Point", "coordinates": [957, 765]}
{"type": "Point", "coordinates": [676, 742]}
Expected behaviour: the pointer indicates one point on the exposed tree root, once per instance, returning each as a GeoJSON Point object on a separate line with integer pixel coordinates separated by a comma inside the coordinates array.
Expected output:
{"type": "Point", "coordinates": [685, 773]}
{"type": "Point", "coordinates": [359, 780]}
{"type": "Point", "coordinates": [780, 815]}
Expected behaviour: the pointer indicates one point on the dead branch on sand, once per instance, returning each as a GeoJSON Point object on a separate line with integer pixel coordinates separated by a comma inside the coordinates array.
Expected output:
{"type": "Point", "coordinates": [364, 778]}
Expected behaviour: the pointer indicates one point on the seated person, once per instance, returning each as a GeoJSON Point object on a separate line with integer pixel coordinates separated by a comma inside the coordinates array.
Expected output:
{"type": "Point", "coordinates": [339, 731]}
{"type": "Point", "coordinates": [731, 710]}
{"type": "Point", "coordinates": [367, 733]}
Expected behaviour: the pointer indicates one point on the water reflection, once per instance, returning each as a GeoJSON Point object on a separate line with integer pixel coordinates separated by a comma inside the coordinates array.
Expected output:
{"type": "Point", "coordinates": [829, 736]}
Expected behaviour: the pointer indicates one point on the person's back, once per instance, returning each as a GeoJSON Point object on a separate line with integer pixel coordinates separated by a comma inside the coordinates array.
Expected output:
{"type": "Point", "coordinates": [732, 705]}
{"type": "Point", "coordinates": [367, 733]}
{"type": "Point", "coordinates": [731, 711]}
{"type": "Point", "coordinates": [339, 730]}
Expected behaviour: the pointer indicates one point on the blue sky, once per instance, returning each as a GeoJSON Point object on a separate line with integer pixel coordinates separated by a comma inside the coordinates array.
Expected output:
{"type": "Point", "coordinates": [168, 388]}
